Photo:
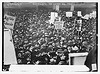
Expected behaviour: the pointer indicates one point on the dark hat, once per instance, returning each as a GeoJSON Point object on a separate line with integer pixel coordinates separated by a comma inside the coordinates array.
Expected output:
{"type": "Point", "coordinates": [52, 53]}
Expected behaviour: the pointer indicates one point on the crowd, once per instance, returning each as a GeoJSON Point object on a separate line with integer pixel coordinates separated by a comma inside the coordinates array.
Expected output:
{"type": "Point", "coordinates": [36, 41]}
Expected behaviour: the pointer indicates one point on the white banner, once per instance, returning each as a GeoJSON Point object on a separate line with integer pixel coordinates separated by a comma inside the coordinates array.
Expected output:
{"type": "Point", "coordinates": [9, 21]}
{"type": "Point", "coordinates": [53, 16]}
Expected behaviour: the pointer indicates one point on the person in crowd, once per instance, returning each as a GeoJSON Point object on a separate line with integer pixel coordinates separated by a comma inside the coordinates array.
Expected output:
{"type": "Point", "coordinates": [53, 57]}
{"type": "Point", "coordinates": [34, 56]}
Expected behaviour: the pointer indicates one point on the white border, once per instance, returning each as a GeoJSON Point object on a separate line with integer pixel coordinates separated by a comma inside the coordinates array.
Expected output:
{"type": "Point", "coordinates": [48, 1]}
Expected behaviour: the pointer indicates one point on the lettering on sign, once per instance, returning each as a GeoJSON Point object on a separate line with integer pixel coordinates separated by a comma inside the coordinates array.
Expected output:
{"type": "Point", "coordinates": [9, 21]}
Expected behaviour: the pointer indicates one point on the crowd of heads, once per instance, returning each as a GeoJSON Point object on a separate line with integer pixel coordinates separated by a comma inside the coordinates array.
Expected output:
{"type": "Point", "coordinates": [36, 41]}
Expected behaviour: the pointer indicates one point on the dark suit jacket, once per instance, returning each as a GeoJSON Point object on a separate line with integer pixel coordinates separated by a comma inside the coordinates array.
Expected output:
{"type": "Point", "coordinates": [91, 58]}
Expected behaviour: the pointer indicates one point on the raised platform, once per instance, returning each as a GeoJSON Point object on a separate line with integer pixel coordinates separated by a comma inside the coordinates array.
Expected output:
{"type": "Point", "coordinates": [77, 58]}
{"type": "Point", "coordinates": [48, 68]}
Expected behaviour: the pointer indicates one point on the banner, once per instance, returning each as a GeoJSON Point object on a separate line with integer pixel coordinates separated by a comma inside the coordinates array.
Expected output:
{"type": "Point", "coordinates": [57, 7]}
{"type": "Point", "coordinates": [93, 14]}
{"type": "Point", "coordinates": [72, 7]}
{"type": "Point", "coordinates": [53, 16]}
{"type": "Point", "coordinates": [58, 24]}
{"type": "Point", "coordinates": [9, 21]}
{"type": "Point", "coordinates": [86, 16]}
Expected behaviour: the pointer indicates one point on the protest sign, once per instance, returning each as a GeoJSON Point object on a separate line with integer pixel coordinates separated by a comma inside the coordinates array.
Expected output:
{"type": "Point", "coordinates": [9, 21]}
{"type": "Point", "coordinates": [58, 24]}
{"type": "Point", "coordinates": [69, 14]}
{"type": "Point", "coordinates": [79, 13]}
{"type": "Point", "coordinates": [53, 16]}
